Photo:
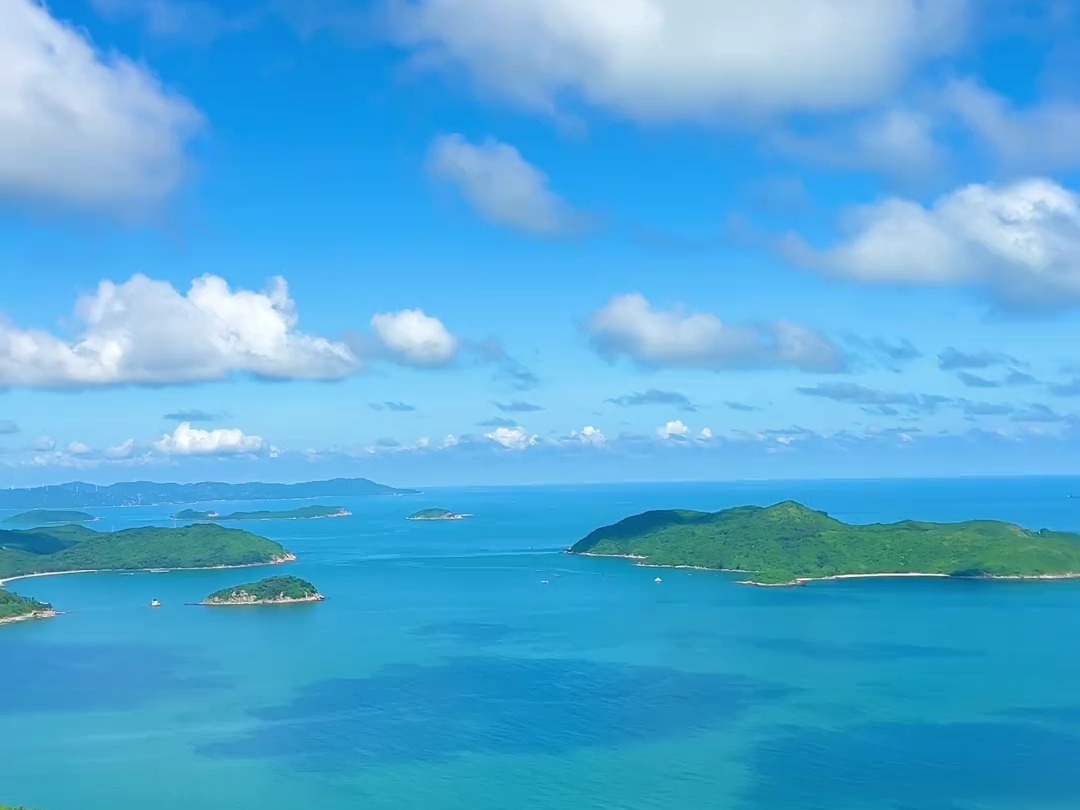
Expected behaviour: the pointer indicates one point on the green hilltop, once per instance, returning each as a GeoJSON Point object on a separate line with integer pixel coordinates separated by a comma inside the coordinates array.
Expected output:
{"type": "Point", "coordinates": [37, 517]}
{"type": "Point", "coordinates": [271, 591]}
{"type": "Point", "coordinates": [13, 606]}
{"type": "Point", "coordinates": [788, 542]}
{"type": "Point", "coordinates": [56, 549]}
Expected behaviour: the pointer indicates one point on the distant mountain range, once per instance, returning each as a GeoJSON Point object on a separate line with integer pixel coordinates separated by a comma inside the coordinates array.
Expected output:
{"type": "Point", "coordinates": [136, 493]}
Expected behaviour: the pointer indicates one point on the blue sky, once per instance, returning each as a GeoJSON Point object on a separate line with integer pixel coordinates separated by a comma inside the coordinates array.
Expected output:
{"type": "Point", "coordinates": [469, 241]}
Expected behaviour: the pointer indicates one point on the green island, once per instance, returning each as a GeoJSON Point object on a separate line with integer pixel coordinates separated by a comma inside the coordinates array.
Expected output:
{"type": "Point", "coordinates": [271, 591]}
{"type": "Point", "coordinates": [15, 608]}
{"type": "Point", "coordinates": [302, 513]}
{"type": "Point", "coordinates": [37, 517]}
{"type": "Point", "coordinates": [790, 544]}
{"type": "Point", "coordinates": [436, 514]}
{"type": "Point", "coordinates": [62, 549]}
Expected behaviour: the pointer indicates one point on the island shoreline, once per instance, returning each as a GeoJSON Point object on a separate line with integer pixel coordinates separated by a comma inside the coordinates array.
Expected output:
{"type": "Point", "coordinates": [282, 560]}
{"type": "Point", "coordinates": [26, 617]}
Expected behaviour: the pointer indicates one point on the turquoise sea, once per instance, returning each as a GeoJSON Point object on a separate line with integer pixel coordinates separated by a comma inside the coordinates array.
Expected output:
{"type": "Point", "coordinates": [442, 672]}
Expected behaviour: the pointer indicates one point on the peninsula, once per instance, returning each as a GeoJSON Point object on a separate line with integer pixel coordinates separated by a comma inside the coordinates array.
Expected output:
{"type": "Point", "coordinates": [272, 591]}
{"type": "Point", "coordinates": [303, 513]}
{"type": "Point", "coordinates": [141, 493]}
{"type": "Point", "coordinates": [790, 544]}
{"type": "Point", "coordinates": [41, 517]}
{"type": "Point", "coordinates": [15, 608]}
{"type": "Point", "coordinates": [436, 514]}
{"type": "Point", "coordinates": [71, 548]}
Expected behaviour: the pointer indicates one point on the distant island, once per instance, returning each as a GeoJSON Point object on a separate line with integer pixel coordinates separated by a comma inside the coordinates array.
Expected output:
{"type": "Point", "coordinates": [272, 591]}
{"type": "Point", "coordinates": [143, 493]}
{"type": "Point", "coordinates": [39, 517]}
{"type": "Point", "coordinates": [69, 548]}
{"type": "Point", "coordinates": [303, 513]}
{"type": "Point", "coordinates": [436, 514]}
{"type": "Point", "coordinates": [15, 608]}
{"type": "Point", "coordinates": [790, 544]}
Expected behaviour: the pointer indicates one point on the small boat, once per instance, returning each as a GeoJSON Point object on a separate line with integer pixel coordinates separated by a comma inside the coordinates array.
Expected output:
{"type": "Point", "coordinates": [155, 603]}
{"type": "Point", "coordinates": [658, 580]}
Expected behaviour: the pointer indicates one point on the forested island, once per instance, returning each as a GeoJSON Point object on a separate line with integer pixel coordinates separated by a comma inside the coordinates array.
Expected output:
{"type": "Point", "coordinates": [789, 544]}
{"type": "Point", "coordinates": [41, 517]}
{"type": "Point", "coordinates": [436, 514]}
{"type": "Point", "coordinates": [142, 493]}
{"type": "Point", "coordinates": [303, 513]}
{"type": "Point", "coordinates": [59, 549]}
{"type": "Point", "coordinates": [272, 591]}
{"type": "Point", "coordinates": [15, 608]}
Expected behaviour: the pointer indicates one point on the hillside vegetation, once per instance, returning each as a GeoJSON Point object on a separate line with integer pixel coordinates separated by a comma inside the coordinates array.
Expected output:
{"type": "Point", "coordinates": [787, 542]}
{"type": "Point", "coordinates": [77, 548]}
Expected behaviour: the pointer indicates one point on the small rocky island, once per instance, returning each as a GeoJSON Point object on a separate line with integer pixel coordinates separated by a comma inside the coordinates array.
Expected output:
{"type": "Point", "coordinates": [41, 517]}
{"type": "Point", "coordinates": [271, 591]}
{"type": "Point", "coordinates": [436, 514]}
{"type": "Point", "coordinates": [791, 544]}
{"type": "Point", "coordinates": [15, 608]}
{"type": "Point", "coordinates": [302, 513]}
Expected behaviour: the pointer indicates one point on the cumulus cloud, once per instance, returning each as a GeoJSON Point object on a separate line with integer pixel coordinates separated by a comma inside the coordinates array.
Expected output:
{"type": "Point", "coordinates": [1019, 243]}
{"type": "Point", "coordinates": [512, 438]}
{"type": "Point", "coordinates": [120, 451]}
{"type": "Point", "coordinates": [412, 338]}
{"type": "Point", "coordinates": [82, 128]}
{"type": "Point", "coordinates": [145, 332]}
{"type": "Point", "coordinates": [188, 441]}
{"type": "Point", "coordinates": [503, 187]}
{"type": "Point", "coordinates": [657, 60]}
{"type": "Point", "coordinates": [7, 427]}
{"type": "Point", "coordinates": [587, 435]}
{"type": "Point", "coordinates": [629, 326]}
{"type": "Point", "coordinates": [672, 430]}
{"type": "Point", "coordinates": [654, 397]}
{"type": "Point", "coordinates": [79, 449]}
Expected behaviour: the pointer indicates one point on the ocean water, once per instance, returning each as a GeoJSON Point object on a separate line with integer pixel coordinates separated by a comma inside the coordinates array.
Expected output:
{"type": "Point", "coordinates": [442, 672]}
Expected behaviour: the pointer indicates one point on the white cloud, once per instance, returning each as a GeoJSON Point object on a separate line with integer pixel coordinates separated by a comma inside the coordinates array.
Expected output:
{"type": "Point", "coordinates": [514, 438]}
{"type": "Point", "coordinates": [45, 444]}
{"type": "Point", "coordinates": [629, 325]}
{"type": "Point", "coordinates": [588, 435]}
{"type": "Point", "coordinates": [146, 332]}
{"type": "Point", "coordinates": [1039, 137]}
{"type": "Point", "coordinates": [79, 449]}
{"type": "Point", "coordinates": [681, 59]}
{"type": "Point", "coordinates": [673, 430]}
{"type": "Point", "coordinates": [412, 338]}
{"type": "Point", "coordinates": [122, 450]}
{"type": "Point", "coordinates": [79, 127]}
{"type": "Point", "coordinates": [188, 441]}
{"type": "Point", "coordinates": [1019, 242]}
{"type": "Point", "coordinates": [705, 435]}
{"type": "Point", "coordinates": [502, 186]}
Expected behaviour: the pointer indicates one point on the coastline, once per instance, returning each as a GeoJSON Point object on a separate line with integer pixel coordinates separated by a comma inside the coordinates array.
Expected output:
{"type": "Point", "coordinates": [26, 617]}
{"type": "Point", "coordinates": [281, 560]}
{"type": "Point", "coordinates": [798, 581]}
{"type": "Point", "coordinates": [265, 602]}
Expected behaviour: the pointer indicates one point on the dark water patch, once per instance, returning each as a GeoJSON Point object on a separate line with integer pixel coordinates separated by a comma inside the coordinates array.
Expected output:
{"type": "Point", "coordinates": [484, 705]}
{"type": "Point", "coordinates": [48, 677]}
{"type": "Point", "coordinates": [1069, 715]}
{"type": "Point", "coordinates": [916, 766]}
{"type": "Point", "coordinates": [858, 651]}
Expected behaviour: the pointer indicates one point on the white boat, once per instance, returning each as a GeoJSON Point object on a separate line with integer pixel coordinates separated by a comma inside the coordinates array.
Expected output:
{"type": "Point", "coordinates": [155, 603]}
{"type": "Point", "coordinates": [658, 580]}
